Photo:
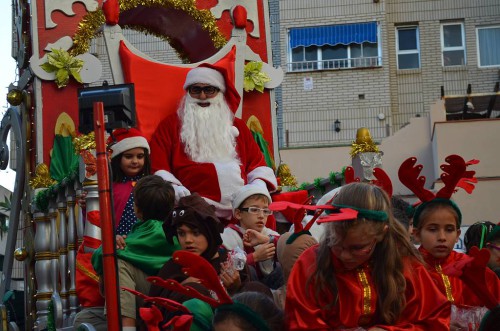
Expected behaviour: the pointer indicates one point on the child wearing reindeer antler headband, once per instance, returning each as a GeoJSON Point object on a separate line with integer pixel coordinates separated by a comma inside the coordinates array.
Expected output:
{"type": "Point", "coordinates": [437, 223]}
{"type": "Point", "coordinates": [364, 274]}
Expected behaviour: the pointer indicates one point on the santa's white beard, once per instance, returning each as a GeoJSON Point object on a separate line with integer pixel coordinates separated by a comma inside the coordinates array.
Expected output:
{"type": "Point", "coordinates": [206, 132]}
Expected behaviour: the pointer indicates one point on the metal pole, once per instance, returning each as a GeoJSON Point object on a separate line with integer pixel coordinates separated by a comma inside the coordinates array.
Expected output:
{"type": "Point", "coordinates": [111, 287]}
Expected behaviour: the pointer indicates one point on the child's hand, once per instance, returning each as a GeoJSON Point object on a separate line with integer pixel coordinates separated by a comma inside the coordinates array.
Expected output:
{"type": "Point", "coordinates": [230, 277]}
{"type": "Point", "coordinates": [120, 241]}
{"type": "Point", "coordinates": [264, 252]}
{"type": "Point", "coordinates": [82, 201]}
{"type": "Point", "coordinates": [252, 238]}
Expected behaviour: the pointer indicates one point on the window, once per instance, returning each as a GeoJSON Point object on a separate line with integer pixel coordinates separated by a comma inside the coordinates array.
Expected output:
{"type": "Point", "coordinates": [334, 47]}
{"type": "Point", "coordinates": [488, 46]}
{"type": "Point", "coordinates": [453, 44]}
{"type": "Point", "coordinates": [408, 48]}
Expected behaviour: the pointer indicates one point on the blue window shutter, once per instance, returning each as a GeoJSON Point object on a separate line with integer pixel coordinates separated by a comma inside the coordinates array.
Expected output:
{"type": "Point", "coordinates": [334, 34]}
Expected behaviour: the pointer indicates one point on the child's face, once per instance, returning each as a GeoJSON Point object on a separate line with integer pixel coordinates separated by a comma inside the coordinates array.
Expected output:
{"type": "Point", "coordinates": [438, 233]}
{"type": "Point", "coordinates": [132, 161]}
{"type": "Point", "coordinates": [249, 220]}
{"type": "Point", "coordinates": [494, 248]}
{"type": "Point", "coordinates": [356, 247]}
{"type": "Point", "coordinates": [192, 240]}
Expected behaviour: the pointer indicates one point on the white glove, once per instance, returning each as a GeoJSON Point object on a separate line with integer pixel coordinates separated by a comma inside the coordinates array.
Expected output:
{"type": "Point", "coordinates": [180, 192]}
{"type": "Point", "coordinates": [259, 182]}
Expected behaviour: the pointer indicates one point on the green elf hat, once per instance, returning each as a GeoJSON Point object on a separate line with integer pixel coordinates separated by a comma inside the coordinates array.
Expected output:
{"type": "Point", "coordinates": [455, 174]}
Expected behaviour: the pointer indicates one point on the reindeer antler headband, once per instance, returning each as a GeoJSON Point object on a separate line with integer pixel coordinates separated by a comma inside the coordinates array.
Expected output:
{"type": "Point", "coordinates": [337, 212]}
{"type": "Point", "coordinates": [383, 181]}
{"type": "Point", "coordinates": [455, 174]}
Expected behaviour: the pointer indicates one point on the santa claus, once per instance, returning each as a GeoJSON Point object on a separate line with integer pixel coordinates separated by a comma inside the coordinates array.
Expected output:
{"type": "Point", "coordinates": [204, 148]}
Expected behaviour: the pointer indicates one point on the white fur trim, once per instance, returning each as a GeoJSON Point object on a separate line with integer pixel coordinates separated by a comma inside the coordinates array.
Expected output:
{"type": "Point", "coordinates": [129, 143]}
{"type": "Point", "coordinates": [234, 131]}
{"type": "Point", "coordinates": [204, 75]}
{"type": "Point", "coordinates": [266, 174]}
{"type": "Point", "coordinates": [230, 181]}
{"type": "Point", "coordinates": [168, 177]}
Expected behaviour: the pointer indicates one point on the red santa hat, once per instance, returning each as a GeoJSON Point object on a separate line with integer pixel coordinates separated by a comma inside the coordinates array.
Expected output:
{"type": "Point", "coordinates": [217, 75]}
{"type": "Point", "coordinates": [122, 140]}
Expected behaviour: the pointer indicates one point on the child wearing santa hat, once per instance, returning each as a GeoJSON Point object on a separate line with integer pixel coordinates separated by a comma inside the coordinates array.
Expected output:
{"type": "Point", "coordinates": [130, 161]}
{"type": "Point", "coordinates": [251, 209]}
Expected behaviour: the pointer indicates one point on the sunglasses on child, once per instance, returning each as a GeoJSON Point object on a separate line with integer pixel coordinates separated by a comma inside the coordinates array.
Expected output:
{"type": "Point", "coordinates": [256, 210]}
{"type": "Point", "coordinates": [208, 90]}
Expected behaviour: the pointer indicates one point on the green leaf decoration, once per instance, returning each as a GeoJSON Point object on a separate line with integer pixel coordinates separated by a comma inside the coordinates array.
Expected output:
{"type": "Point", "coordinates": [63, 159]}
{"type": "Point", "coordinates": [254, 78]}
{"type": "Point", "coordinates": [264, 148]}
{"type": "Point", "coordinates": [6, 204]}
{"type": "Point", "coordinates": [64, 65]}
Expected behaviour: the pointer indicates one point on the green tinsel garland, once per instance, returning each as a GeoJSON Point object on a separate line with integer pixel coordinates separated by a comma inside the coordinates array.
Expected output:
{"type": "Point", "coordinates": [42, 198]}
{"type": "Point", "coordinates": [318, 186]}
{"type": "Point", "coordinates": [332, 178]}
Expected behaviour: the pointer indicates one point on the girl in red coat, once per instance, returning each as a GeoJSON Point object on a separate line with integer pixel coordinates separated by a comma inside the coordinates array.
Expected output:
{"type": "Point", "coordinates": [364, 274]}
{"type": "Point", "coordinates": [465, 280]}
{"type": "Point", "coordinates": [438, 229]}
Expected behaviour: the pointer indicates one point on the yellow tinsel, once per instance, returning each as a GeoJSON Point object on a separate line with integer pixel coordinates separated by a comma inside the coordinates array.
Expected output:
{"type": "Point", "coordinates": [91, 22]}
{"type": "Point", "coordinates": [42, 177]}
{"type": "Point", "coordinates": [363, 143]}
{"type": "Point", "coordinates": [87, 29]}
{"type": "Point", "coordinates": [84, 142]}
{"type": "Point", "coordinates": [285, 175]}
{"type": "Point", "coordinates": [363, 148]}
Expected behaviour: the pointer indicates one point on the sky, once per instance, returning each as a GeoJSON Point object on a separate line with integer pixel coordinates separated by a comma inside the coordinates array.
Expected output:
{"type": "Point", "coordinates": [7, 76]}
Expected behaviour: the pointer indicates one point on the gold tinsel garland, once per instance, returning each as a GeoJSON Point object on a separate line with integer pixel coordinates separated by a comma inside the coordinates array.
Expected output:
{"type": "Point", "coordinates": [91, 22]}
{"type": "Point", "coordinates": [87, 29]}
{"type": "Point", "coordinates": [363, 143]}
{"type": "Point", "coordinates": [84, 142]}
{"type": "Point", "coordinates": [42, 177]}
{"type": "Point", "coordinates": [285, 176]}
{"type": "Point", "coordinates": [367, 146]}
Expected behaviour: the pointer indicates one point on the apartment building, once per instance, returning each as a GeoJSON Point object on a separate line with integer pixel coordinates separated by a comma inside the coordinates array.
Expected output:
{"type": "Point", "coordinates": [379, 63]}
{"type": "Point", "coordinates": [405, 69]}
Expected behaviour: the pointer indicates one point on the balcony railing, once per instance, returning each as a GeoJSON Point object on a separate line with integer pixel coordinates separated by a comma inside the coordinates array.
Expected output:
{"type": "Point", "coordinates": [335, 64]}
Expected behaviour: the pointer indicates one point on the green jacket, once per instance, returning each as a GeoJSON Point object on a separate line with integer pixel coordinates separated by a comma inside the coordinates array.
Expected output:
{"type": "Point", "coordinates": [146, 248]}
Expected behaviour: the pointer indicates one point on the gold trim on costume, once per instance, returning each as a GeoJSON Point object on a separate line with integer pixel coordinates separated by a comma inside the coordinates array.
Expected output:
{"type": "Point", "coordinates": [367, 292]}
{"type": "Point", "coordinates": [87, 272]}
{"type": "Point", "coordinates": [446, 282]}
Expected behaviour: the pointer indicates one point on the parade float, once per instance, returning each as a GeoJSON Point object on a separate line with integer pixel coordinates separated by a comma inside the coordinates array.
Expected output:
{"type": "Point", "coordinates": [65, 46]}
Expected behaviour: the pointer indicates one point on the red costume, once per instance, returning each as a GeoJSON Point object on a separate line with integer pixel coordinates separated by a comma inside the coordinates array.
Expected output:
{"type": "Point", "coordinates": [216, 182]}
{"type": "Point", "coordinates": [456, 290]}
{"type": "Point", "coordinates": [426, 308]}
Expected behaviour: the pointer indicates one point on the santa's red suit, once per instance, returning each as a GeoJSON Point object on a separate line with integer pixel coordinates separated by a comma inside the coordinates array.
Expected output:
{"type": "Point", "coordinates": [216, 182]}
